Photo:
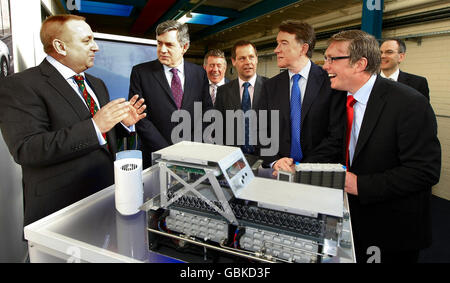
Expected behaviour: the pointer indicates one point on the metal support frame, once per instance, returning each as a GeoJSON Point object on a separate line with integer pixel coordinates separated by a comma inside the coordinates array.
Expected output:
{"type": "Point", "coordinates": [166, 173]}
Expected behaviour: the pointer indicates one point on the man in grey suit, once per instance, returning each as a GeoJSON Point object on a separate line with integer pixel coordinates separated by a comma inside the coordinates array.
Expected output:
{"type": "Point", "coordinates": [242, 93]}
{"type": "Point", "coordinates": [58, 122]}
{"type": "Point", "coordinates": [393, 52]}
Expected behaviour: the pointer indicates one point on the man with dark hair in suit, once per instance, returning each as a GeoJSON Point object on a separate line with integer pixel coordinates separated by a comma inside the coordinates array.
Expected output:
{"type": "Point", "coordinates": [58, 122]}
{"type": "Point", "coordinates": [393, 52]}
{"type": "Point", "coordinates": [242, 93]}
{"type": "Point", "coordinates": [168, 84]}
{"type": "Point", "coordinates": [310, 112]}
{"type": "Point", "coordinates": [392, 152]}
{"type": "Point", "coordinates": [215, 66]}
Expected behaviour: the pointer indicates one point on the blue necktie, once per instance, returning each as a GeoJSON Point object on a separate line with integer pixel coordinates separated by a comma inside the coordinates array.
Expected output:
{"type": "Point", "coordinates": [296, 118]}
{"type": "Point", "coordinates": [246, 105]}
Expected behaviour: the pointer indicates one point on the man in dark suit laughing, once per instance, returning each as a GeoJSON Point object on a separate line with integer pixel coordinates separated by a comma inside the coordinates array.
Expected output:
{"type": "Point", "coordinates": [392, 152]}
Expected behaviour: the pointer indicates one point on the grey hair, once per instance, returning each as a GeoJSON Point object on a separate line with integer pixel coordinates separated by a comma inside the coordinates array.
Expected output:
{"type": "Point", "coordinates": [214, 53]}
{"type": "Point", "coordinates": [182, 34]}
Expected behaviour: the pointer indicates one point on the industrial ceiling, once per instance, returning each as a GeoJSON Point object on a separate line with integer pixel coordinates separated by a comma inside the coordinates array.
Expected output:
{"type": "Point", "coordinates": [220, 23]}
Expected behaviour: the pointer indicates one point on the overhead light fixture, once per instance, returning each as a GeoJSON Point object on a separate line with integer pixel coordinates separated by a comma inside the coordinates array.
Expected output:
{"type": "Point", "coordinates": [201, 19]}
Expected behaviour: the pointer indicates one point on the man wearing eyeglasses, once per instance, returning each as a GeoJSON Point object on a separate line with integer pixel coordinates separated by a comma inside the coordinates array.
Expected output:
{"type": "Point", "coordinates": [311, 114]}
{"type": "Point", "coordinates": [392, 152]}
{"type": "Point", "coordinates": [393, 52]}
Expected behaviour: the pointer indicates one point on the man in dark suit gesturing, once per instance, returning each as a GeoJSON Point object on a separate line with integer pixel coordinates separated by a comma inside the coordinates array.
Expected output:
{"type": "Point", "coordinates": [392, 152]}
{"type": "Point", "coordinates": [393, 52]}
{"type": "Point", "coordinates": [310, 112]}
{"type": "Point", "coordinates": [58, 122]}
{"type": "Point", "coordinates": [168, 84]}
{"type": "Point", "coordinates": [248, 86]}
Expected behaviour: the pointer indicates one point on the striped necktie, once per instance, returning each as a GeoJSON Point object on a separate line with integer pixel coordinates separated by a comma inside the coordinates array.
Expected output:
{"type": "Point", "coordinates": [213, 93]}
{"type": "Point", "coordinates": [90, 102]}
{"type": "Point", "coordinates": [177, 90]}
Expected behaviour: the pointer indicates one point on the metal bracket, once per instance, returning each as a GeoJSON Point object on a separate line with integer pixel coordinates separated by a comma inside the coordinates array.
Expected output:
{"type": "Point", "coordinates": [166, 173]}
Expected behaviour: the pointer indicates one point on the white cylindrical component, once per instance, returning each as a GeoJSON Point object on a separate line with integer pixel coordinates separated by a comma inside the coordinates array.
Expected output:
{"type": "Point", "coordinates": [129, 192]}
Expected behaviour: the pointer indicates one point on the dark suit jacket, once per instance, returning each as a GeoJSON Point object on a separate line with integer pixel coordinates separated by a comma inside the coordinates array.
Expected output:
{"type": "Point", "coordinates": [229, 98]}
{"type": "Point", "coordinates": [397, 160]}
{"type": "Point", "coordinates": [417, 82]}
{"type": "Point", "coordinates": [148, 80]}
{"type": "Point", "coordinates": [322, 121]}
{"type": "Point", "coordinates": [49, 132]}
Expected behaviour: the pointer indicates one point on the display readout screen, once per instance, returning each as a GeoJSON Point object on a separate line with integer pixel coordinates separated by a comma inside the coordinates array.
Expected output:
{"type": "Point", "coordinates": [235, 168]}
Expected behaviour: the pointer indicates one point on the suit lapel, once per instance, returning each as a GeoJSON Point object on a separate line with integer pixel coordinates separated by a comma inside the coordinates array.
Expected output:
{"type": "Point", "coordinates": [257, 91]}
{"type": "Point", "coordinates": [372, 114]}
{"type": "Point", "coordinates": [235, 95]}
{"type": "Point", "coordinates": [402, 77]}
{"type": "Point", "coordinates": [282, 98]}
{"type": "Point", "coordinates": [103, 99]}
{"type": "Point", "coordinates": [158, 73]}
{"type": "Point", "coordinates": [188, 87]}
{"type": "Point", "coordinates": [98, 90]}
{"type": "Point", "coordinates": [62, 87]}
{"type": "Point", "coordinates": [315, 80]}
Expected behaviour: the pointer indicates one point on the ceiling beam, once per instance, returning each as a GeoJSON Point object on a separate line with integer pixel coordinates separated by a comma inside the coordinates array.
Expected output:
{"type": "Point", "coordinates": [173, 12]}
{"type": "Point", "coordinates": [151, 13]}
{"type": "Point", "coordinates": [255, 11]}
{"type": "Point", "coordinates": [216, 11]}
{"type": "Point", "coordinates": [135, 3]}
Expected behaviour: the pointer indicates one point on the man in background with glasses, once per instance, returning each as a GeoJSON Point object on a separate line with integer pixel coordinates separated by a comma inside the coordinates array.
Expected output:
{"type": "Point", "coordinates": [393, 52]}
{"type": "Point", "coordinates": [392, 152]}
{"type": "Point", "coordinates": [311, 114]}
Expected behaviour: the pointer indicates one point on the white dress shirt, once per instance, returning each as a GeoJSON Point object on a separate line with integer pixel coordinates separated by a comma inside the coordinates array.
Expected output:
{"type": "Point", "coordinates": [169, 74]}
{"type": "Point", "coordinates": [304, 73]}
{"type": "Point", "coordinates": [359, 108]}
{"type": "Point", "coordinates": [68, 74]}
{"type": "Point", "coordinates": [251, 88]}
{"type": "Point", "coordinates": [393, 76]}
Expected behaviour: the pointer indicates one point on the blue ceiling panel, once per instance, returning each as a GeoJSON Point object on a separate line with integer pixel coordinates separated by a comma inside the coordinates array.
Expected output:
{"type": "Point", "coordinates": [203, 19]}
{"type": "Point", "coordinates": [102, 8]}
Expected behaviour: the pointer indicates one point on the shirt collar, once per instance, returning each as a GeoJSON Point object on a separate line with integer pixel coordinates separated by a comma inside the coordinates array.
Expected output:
{"type": "Point", "coordinates": [180, 67]}
{"type": "Point", "coordinates": [393, 76]}
{"type": "Point", "coordinates": [65, 71]}
{"type": "Point", "coordinates": [252, 81]}
{"type": "Point", "coordinates": [303, 72]}
{"type": "Point", "coordinates": [363, 94]}
{"type": "Point", "coordinates": [222, 82]}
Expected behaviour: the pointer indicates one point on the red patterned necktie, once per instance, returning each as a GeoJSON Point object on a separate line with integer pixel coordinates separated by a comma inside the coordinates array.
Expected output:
{"type": "Point", "coordinates": [177, 90]}
{"type": "Point", "coordinates": [90, 102]}
{"type": "Point", "coordinates": [350, 102]}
